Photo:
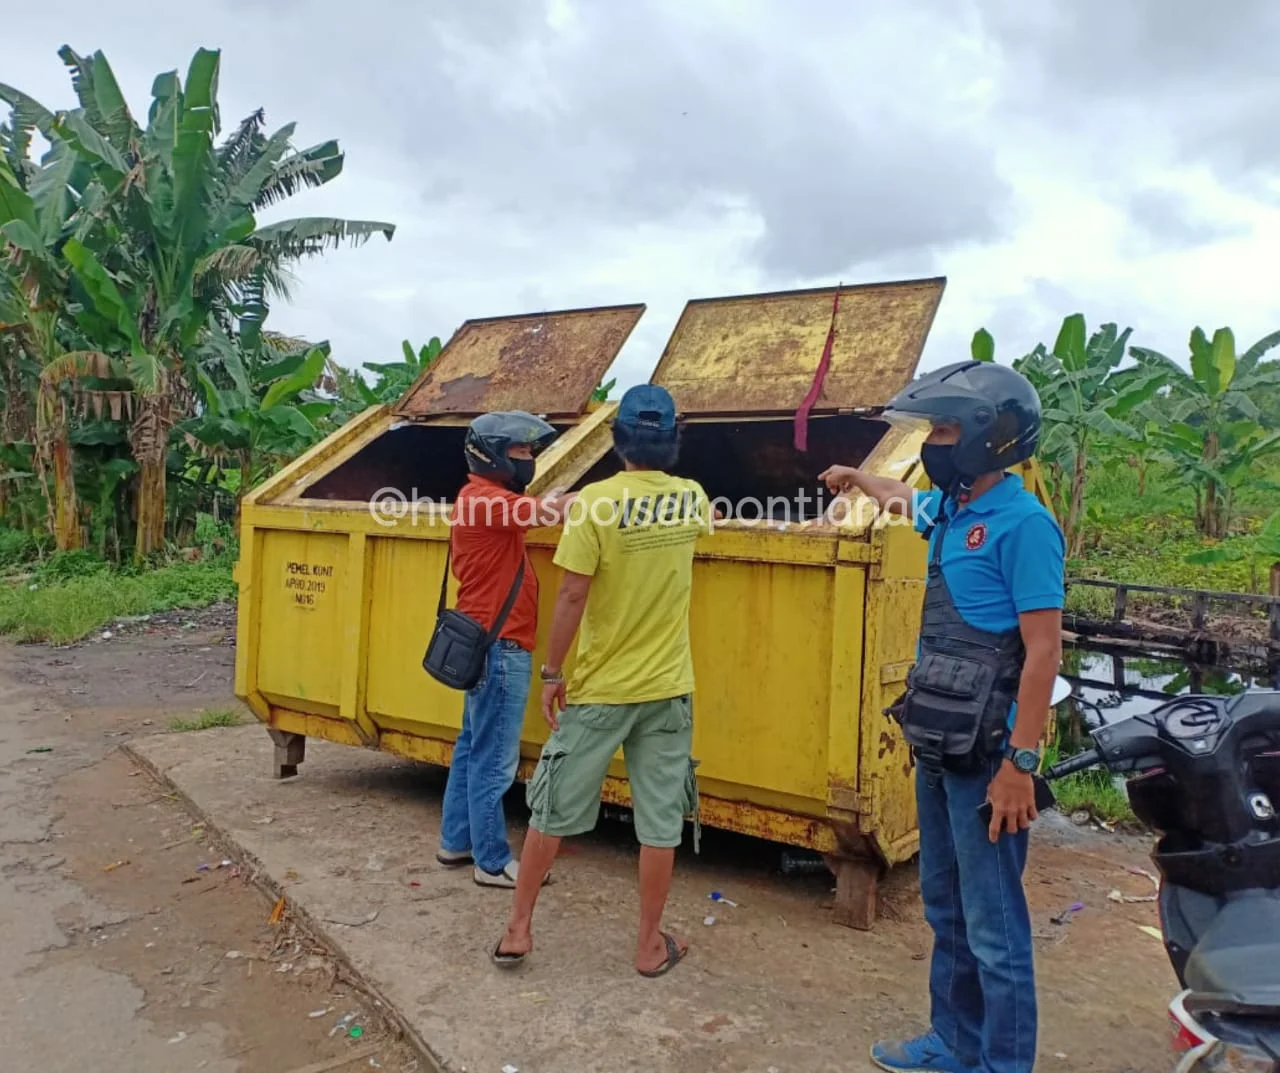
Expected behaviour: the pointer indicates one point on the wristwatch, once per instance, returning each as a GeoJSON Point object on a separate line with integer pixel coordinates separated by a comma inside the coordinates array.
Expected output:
{"type": "Point", "coordinates": [1025, 760]}
{"type": "Point", "coordinates": [551, 678]}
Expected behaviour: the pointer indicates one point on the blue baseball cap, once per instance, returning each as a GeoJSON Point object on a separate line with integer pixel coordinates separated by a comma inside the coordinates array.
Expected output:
{"type": "Point", "coordinates": [647, 406]}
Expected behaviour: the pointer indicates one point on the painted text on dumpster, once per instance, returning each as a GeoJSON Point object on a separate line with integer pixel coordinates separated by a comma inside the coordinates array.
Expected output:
{"type": "Point", "coordinates": [306, 583]}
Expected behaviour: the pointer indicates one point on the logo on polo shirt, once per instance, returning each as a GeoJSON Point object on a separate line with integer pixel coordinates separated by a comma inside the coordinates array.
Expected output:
{"type": "Point", "coordinates": [975, 537]}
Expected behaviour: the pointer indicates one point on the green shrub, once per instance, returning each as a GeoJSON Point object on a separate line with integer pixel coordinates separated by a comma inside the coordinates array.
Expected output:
{"type": "Point", "coordinates": [210, 533]}
{"type": "Point", "coordinates": [68, 565]}
{"type": "Point", "coordinates": [17, 547]}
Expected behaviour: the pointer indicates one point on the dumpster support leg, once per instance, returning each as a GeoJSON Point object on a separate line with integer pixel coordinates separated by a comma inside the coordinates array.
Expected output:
{"type": "Point", "coordinates": [857, 880]}
{"type": "Point", "coordinates": [290, 751]}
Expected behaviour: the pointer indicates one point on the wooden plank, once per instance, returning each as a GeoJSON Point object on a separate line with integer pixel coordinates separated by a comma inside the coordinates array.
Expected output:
{"type": "Point", "coordinates": [1089, 628]}
{"type": "Point", "coordinates": [1122, 598]}
{"type": "Point", "coordinates": [1209, 594]}
{"type": "Point", "coordinates": [1199, 612]}
{"type": "Point", "coordinates": [1184, 640]}
{"type": "Point", "coordinates": [1242, 598]}
{"type": "Point", "coordinates": [857, 883]}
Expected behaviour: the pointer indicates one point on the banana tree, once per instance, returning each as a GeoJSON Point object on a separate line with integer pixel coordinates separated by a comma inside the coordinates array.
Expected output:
{"type": "Point", "coordinates": [36, 220]}
{"type": "Point", "coordinates": [1086, 398]}
{"type": "Point", "coordinates": [353, 393]}
{"type": "Point", "coordinates": [1215, 437]}
{"type": "Point", "coordinates": [269, 412]}
{"type": "Point", "coordinates": [169, 238]}
{"type": "Point", "coordinates": [1216, 465]}
{"type": "Point", "coordinates": [17, 372]}
{"type": "Point", "coordinates": [393, 379]}
{"type": "Point", "coordinates": [1144, 447]}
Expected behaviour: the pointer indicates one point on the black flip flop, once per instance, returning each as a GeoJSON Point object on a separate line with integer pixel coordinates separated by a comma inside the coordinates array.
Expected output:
{"type": "Point", "coordinates": [505, 961]}
{"type": "Point", "coordinates": [674, 956]}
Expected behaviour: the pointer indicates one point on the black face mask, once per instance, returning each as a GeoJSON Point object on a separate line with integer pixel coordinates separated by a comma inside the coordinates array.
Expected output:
{"type": "Point", "coordinates": [523, 468]}
{"type": "Point", "coordinates": [940, 464]}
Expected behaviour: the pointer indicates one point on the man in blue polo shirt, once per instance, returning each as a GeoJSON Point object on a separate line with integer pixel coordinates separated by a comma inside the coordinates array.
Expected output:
{"type": "Point", "coordinates": [976, 706]}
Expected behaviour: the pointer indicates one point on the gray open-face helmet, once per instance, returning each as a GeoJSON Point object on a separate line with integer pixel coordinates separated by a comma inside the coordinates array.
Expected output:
{"type": "Point", "coordinates": [489, 438]}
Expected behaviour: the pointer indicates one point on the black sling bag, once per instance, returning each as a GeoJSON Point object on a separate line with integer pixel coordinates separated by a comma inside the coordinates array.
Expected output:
{"type": "Point", "coordinates": [456, 652]}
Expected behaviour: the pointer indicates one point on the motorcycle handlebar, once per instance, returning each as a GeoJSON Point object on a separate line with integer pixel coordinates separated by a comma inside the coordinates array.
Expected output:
{"type": "Point", "coordinates": [1086, 759]}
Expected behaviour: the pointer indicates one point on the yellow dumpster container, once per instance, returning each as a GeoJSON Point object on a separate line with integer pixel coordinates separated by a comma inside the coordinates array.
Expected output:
{"type": "Point", "coordinates": [803, 628]}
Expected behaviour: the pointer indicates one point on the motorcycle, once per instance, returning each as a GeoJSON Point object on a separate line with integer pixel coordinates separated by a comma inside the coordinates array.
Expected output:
{"type": "Point", "coordinates": [1203, 772]}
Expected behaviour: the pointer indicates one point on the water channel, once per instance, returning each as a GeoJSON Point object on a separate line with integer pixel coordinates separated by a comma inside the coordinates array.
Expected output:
{"type": "Point", "coordinates": [1123, 682]}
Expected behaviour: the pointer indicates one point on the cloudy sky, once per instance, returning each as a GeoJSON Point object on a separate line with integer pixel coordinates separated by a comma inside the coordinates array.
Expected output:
{"type": "Point", "coordinates": [1113, 157]}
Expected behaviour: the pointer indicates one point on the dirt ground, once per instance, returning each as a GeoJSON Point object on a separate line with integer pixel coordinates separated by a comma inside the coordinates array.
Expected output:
{"type": "Point", "coordinates": [116, 953]}
{"type": "Point", "coordinates": [140, 950]}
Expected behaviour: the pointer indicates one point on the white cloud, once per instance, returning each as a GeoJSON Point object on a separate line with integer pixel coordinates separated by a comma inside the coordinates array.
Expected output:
{"type": "Point", "coordinates": [1073, 155]}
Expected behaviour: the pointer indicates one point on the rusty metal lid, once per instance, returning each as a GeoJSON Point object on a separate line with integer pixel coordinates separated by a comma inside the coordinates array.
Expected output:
{"type": "Point", "coordinates": [758, 353]}
{"type": "Point", "coordinates": [543, 363]}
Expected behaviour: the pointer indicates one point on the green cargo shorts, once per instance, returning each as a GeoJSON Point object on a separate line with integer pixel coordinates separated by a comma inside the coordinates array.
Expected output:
{"type": "Point", "coordinates": [656, 739]}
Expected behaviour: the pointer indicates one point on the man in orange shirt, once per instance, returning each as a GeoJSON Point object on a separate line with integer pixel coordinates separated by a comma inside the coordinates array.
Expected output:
{"type": "Point", "coordinates": [490, 518]}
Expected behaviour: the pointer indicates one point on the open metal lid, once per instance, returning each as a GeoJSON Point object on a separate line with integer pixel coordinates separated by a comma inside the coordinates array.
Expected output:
{"type": "Point", "coordinates": [759, 353]}
{"type": "Point", "coordinates": [544, 363]}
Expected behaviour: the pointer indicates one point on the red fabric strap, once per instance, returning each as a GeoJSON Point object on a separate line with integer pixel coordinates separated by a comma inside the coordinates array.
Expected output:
{"type": "Point", "coordinates": [815, 389]}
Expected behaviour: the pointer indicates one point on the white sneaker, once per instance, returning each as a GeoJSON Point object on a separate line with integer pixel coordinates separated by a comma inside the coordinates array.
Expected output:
{"type": "Point", "coordinates": [505, 879]}
{"type": "Point", "coordinates": [452, 858]}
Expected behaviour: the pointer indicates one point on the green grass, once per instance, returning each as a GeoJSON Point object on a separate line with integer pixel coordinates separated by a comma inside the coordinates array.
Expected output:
{"type": "Point", "coordinates": [62, 609]}
{"type": "Point", "coordinates": [1153, 551]}
{"type": "Point", "coordinates": [1145, 540]}
{"type": "Point", "coordinates": [1093, 791]}
{"type": "Point", "coordinates": [208, 719]}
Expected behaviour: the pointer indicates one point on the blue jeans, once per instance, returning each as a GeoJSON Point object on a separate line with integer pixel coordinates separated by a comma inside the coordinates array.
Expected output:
{"type": "Point", "coordinates": [485, 757]}
{"type": "Point", "coordinates": [982, 981]}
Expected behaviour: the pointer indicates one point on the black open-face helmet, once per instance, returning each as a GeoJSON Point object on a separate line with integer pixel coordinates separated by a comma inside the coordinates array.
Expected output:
{"type": "Point", "coordinates": [490, 435]}
{"type": "Point", "coordinates": [996, 407]}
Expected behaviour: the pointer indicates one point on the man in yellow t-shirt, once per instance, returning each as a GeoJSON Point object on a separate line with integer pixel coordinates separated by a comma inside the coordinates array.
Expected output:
{"type": "Point", "coordinates": [627, 553]}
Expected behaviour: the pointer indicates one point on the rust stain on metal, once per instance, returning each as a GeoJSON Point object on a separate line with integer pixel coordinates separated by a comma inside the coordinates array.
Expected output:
{"type": "Point", "coordinates": [547, 363]}
{"type": "Point", "coordinates": [759, 353]}
{"type": "Point", "coordinates": [466, 392]}
{"type": "Point", "coordinates": [888, 743]}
